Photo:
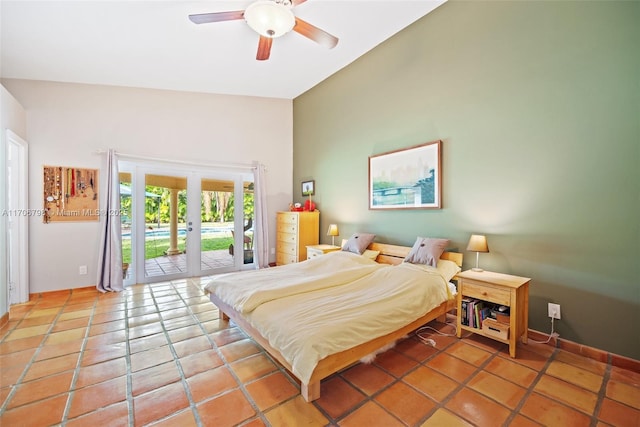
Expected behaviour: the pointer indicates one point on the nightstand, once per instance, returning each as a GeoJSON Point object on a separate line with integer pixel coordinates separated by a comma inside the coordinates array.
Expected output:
{"type": "Point", "coordinates": [317, 250]}
{"type": "Point", "coordinates": [489, 288]}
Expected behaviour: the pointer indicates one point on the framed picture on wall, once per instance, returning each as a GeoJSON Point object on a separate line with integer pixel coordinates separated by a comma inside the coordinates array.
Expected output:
{"type": "Point", "coordinates": [308, 188]}
{"type": "Point", "coordinates": [409, 178]}
{"type": "Point", "coordinates": [70, 194]}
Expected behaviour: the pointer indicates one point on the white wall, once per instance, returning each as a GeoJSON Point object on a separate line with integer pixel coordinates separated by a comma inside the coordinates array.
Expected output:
{"type": "Point", "coordinates": [13, 117]}
{"type": "Point", "coordinates": [68, 123]}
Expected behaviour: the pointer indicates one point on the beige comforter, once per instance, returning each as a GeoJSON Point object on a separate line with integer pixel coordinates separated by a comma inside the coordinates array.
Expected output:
{"type": "Point", "coordinates": [246, 290]}
{"type": "Point", "coordinates": [309, 326]}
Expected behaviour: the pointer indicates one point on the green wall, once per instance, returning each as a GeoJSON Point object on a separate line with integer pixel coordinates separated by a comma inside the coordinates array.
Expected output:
{"type": "Point", "coordinates": [538, 108]}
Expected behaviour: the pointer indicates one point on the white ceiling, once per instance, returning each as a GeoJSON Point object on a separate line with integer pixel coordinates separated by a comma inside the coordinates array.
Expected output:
{"type": "Point", "coordinates": [152, 44]}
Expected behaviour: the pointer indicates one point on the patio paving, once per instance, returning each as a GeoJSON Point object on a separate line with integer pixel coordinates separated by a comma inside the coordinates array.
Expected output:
{"type": "Point", "coordinates": [173, 264]}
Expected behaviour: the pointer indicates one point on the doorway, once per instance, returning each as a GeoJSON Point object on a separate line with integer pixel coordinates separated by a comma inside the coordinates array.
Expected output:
{"type": "Point", "coordinates": [183, 222]}
{"type": "Point", "coordinates": [17, 218]}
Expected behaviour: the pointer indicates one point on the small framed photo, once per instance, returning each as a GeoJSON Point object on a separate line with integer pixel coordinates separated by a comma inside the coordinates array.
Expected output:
{"type": "Point", "coordinates": [308, 188]}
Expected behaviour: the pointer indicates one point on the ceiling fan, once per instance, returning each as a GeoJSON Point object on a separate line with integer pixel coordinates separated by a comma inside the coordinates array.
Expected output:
{"type": "Point", "coordinates": [270, 19]}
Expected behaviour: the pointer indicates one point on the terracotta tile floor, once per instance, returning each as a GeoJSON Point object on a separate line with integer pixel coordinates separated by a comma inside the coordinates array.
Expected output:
{"type": "Point", "coordinates": [159, 355]}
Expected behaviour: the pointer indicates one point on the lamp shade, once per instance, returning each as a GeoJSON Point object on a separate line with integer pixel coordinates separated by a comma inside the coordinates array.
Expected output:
{"type": "Point", "coordinates": [269, 19]}
{"type": "Point", "coordinates": [333, 230]}
{"type": "Point", "coordinates": [478, 243]}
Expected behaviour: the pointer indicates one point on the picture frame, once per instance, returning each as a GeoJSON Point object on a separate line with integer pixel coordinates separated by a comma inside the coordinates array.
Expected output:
{"type": "Point", "coordinates": [70, 194]}
{"type": "Point", "coordinates": [308, 188]}
{"type": "Point", "coordinates": [409, 178]}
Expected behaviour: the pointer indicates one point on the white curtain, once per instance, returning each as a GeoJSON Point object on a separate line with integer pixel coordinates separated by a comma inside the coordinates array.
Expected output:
{"type": "Point", "coordinates": [110, 275]}
{"type": "Point", "coordinates": [262, 224]}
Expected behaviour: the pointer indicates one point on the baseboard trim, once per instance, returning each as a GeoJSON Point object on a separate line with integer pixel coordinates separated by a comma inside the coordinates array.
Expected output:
{"type": "Point", "coordinates": [38, 295]}
{"type": "Point", "coordinates": [4, 319]}
{"type": "Point", "coordinates": [586, 351]}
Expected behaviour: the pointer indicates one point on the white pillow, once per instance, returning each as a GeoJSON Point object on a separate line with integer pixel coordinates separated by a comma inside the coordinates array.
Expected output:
{"type": "Point", "coordinates": [358, 242]}
{"type": "Point", "coordinates": [371, 254]}
{"type": "Point", "coordinates": [447, 268]}
{"type": "Point", "coordinates": [427, 250]}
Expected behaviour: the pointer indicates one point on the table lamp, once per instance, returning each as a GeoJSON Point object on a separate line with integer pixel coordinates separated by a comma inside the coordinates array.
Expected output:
{"type": "Point", "coordinates": [333, 232]}
{"type": "Point", "coordinates": [477, 244]}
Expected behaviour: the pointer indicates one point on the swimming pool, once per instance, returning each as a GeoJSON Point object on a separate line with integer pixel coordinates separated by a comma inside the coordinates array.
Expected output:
{"type": "Point", "coordinates": [163, 233]}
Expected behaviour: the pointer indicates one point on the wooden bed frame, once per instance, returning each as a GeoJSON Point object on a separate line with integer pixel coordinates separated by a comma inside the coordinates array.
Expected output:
{"type": "Point", "coordinates": [389, 254]}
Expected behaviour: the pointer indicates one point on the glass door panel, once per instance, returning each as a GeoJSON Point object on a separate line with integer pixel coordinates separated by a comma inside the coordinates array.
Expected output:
{"type": "Point", "coordinates": [216, 228]}
{"type": "Point", "coordinates": [165, 235]}
{"type": "Point", "coordinates": [248, 218]}
{"type": "Point", "coordinates": [226, 234]}
{"type": "Point", "coordinates": [126, 213]}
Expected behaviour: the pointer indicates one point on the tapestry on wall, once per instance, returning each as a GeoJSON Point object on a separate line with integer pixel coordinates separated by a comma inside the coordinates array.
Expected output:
{"type": "Point", "coordinates": [70, 194]}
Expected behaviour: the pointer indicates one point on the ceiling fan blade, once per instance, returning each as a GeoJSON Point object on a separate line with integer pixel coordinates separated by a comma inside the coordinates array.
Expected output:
{"type": "Point", "coordinates": [204, 18]}
{"type": "Point", "coordinates": [314, 33]}
{"type": "Point", "coordinates": [264, 48]}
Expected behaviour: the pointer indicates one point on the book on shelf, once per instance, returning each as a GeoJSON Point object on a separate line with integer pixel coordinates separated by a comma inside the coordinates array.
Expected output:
{"type": "Point", "coordinates": [478, 309]}
{"type": "Point", "coordinates": [484, 314]}
{"type": "Point", "coordinates": [464, 319]}
{"type": "Point", "coordinates": [474, 311]}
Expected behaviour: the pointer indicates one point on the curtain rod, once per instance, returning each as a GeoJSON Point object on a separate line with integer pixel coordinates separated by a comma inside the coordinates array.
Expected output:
{"type": "Point", "coordinates": [182, 162]}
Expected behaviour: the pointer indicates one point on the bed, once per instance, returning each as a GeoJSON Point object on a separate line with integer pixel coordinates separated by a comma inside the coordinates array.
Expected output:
{"type": "Point", "coordinates": [246, 290]}
{"type": "Point", "coordinates": [318, 331]}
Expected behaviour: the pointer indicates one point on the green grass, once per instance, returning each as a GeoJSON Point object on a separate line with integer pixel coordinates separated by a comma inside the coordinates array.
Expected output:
{"type": "Point", "coordinates": [156, 248]}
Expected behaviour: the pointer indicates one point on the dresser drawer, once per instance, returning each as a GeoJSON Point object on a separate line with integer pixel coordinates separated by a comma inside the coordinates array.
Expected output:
{"type": "Point", "coordinates": [287, 248]}
{"type": "Point", "coordinates": [287, 228]}
{"type": "Point", "coordinates": [284, 258]}
{"type": "Point", "coordinates": [282, 237]}
{"type": "Point", "coordinates": [485, 292]}
{"type": "Point", "coordinates": [312, 253]}
{"type": "Point", "coordinates": [288, 219]}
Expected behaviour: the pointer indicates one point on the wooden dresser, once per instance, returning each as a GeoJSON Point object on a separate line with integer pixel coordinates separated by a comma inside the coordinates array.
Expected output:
{"type": "Point", "coordinates": [294, 232]}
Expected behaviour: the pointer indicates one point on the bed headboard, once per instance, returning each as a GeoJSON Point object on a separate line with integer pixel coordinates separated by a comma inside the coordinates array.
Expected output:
{"type": "Point", "coordinates": [394, 254]}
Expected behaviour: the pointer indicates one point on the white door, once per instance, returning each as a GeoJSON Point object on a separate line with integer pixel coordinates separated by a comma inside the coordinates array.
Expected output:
{"type": "Point", "coordinates": [184, 221]}
{"type": "Point", "coordinates": [17, 219]}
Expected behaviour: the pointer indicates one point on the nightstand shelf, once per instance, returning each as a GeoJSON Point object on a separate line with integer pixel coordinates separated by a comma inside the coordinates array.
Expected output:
{"type": "Point", "coordinates": [317, 250]}
{"type": "Point", "coordinates": [501, 289]}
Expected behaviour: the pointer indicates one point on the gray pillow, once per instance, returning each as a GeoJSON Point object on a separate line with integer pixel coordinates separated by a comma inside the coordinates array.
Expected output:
{"type": "Point", "coordinates": [358, 242]}
{"type": "Point", "coordinates": [427, 250]}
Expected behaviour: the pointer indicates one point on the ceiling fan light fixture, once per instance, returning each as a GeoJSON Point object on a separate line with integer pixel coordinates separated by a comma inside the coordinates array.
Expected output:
{"type": "Point", "coordinates": [270, 18]}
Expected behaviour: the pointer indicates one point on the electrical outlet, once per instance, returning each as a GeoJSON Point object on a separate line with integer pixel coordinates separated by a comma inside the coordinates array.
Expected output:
{"type": "Point", "coordinates": [273, 251]}
{"type": "Point", "coordinates": [554, 310]}
{"type": "Point", "coordinates": [82, 270]}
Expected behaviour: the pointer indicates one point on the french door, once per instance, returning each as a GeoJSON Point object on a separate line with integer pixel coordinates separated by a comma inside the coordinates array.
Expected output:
{"type": "Point", "coordinates": [183, 222]}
